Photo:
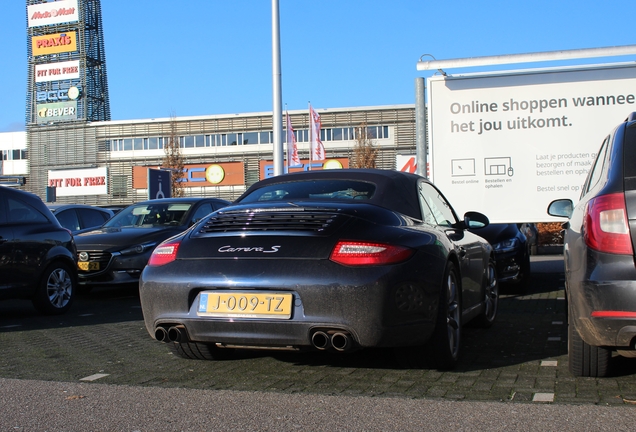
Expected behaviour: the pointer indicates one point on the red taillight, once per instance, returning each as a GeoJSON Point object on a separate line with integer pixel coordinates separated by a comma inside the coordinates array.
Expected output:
{"type": "Point", "coordinates": [606, 228]}
{"type": "Point", "coordinates": [613, 314]}
{"type": "Point", "coordinates": [163, 254]}
{"type": "Point", "coordinates": [357, 253]}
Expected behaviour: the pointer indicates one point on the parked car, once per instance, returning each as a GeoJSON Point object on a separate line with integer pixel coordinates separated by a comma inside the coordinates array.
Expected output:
{"type": "Point", "coordinates": [37, 255]}
{"type": "Point", "coordinates": [79, 217]}
{"type": "Point", "coordinates": [600, 270]}
{"type": "Point", "coordinates": [115, 208]}
{"type": "Point", "coordinates": [531, 232]}
{"type": "Point", "coordinates": [117, 252]}
{"type": "Point", "coordinates": [512, 252]}
{"type": "Point", "coordinates": [325, 260]}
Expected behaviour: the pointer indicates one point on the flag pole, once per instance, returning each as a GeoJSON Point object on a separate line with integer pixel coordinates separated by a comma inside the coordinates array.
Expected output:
{"type": "Point", "coordinates": [286, 152]}
{"type": "Point", "coordinates": [311, 127]}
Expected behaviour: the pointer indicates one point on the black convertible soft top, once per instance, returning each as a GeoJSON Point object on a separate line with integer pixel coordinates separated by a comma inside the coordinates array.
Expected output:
{"type": "Point", "coordinates": [395, 190]}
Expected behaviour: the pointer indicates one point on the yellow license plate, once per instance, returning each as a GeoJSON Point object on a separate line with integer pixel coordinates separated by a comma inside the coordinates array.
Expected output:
{"type": "Point", "coordinates": [245, 304]}
{"type": "Point", "coordinates": [88, 266]}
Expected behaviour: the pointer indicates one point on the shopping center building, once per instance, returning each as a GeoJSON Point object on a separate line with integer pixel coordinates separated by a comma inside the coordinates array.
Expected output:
{"type": "Point", "coordinates": [223, 154]}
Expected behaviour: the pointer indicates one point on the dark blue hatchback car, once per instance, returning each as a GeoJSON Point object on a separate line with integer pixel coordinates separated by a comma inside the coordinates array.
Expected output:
{"type": "Point", "coordinates": [512, 252]}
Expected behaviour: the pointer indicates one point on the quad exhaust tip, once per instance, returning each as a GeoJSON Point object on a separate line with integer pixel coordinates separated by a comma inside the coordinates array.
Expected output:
{"type": "Point", "coordinates": [332, 339]}
{"type": "Point", "coordinates": [161, 334]}
{"type": "Point", "coordinates": [175, 333]}
{"type": "Point", "coordinates": [341, 341]}
{"type": "Point", "coordinates": [322, 340]}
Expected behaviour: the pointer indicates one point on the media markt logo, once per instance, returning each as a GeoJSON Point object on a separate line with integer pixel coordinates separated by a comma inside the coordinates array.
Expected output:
{"type": "Point", "coordinates": [54, 112]}
{"type": "Point", "coordinates": [61, 12]}
{"type": "Point", "coordinates": [50, 12]}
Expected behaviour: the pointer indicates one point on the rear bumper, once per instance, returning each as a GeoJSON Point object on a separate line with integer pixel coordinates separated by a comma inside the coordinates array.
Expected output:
{"type": "Point", "coordinates": [377, 307]}
{"type": "Point", "coordinates": [602, 298]}
{"type": "Point", "coordinates": [295, 334]}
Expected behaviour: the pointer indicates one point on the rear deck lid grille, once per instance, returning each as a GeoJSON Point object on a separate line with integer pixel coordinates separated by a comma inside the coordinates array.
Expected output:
{"type": "Point", "coordinates": [301, 220]}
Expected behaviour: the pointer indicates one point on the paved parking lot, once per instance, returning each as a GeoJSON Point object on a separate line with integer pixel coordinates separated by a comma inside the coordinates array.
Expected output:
{"type": "Point", "coordinates": [522, 358]}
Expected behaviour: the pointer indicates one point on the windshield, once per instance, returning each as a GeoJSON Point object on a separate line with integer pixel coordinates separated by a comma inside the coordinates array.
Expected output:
{"type": "Point", "coordinates": [149, 215]}
{"type": "Point", "coordinates": [328, 189]}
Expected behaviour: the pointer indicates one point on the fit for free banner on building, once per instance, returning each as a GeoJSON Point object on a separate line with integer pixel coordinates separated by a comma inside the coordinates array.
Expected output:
{"type": "Point", "coordinates": [77, 182]}
{"type": "Point", "coordinates": [507, 144]}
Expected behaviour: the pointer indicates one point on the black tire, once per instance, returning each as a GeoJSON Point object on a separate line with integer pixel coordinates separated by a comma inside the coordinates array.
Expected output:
{"type": "Point", "coordinates": [586, 360]}
{"type": "Point", "coordinates": [491, 297]}
{"type": "Point", "coordinates": [198, 351]}
{"type": "Point", "coordinates": [56, 290]}
{"type": "Point", "coordinates": [444, 346]}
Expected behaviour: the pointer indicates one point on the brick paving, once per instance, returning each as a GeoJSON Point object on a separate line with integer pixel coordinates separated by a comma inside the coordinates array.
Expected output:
{"type": "Point", "coordinates": [522, 358]}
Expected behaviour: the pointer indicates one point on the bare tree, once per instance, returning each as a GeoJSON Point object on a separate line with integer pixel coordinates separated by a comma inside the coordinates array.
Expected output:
{"type": "Point", "coordinates": [173, 160]}
{"type": "Point", "coordinates": [364, 152]}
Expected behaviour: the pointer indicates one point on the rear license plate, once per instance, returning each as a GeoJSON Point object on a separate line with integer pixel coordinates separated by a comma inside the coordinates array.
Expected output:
{"type": "Point", "coordinates": [88, 266]}
{"type": "Point", "coordinates": [245, 304]}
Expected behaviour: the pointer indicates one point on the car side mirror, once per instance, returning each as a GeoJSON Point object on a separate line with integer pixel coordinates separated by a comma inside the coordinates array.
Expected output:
{"type": "Point", "coordinates": [473, 220]}
{"type": "Point", "coordinates": [561, 208]}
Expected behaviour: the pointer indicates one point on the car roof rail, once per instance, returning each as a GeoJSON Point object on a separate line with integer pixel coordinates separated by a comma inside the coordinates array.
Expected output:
{"type": "Point", "coordinates": [631, 117]}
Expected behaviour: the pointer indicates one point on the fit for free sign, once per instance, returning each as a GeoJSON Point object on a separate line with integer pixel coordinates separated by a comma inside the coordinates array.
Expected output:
{"type": "Point", "coordinates": [91, 181]}
{"type": "Point", "coordinates": [507, 144]}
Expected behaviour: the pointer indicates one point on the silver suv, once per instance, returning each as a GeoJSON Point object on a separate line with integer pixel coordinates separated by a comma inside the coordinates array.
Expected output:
{"type": "Point", "coordinates": [600, 267]}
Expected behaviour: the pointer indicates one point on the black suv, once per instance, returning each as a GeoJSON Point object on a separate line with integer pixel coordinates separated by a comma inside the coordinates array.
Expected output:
{"type": "Point", "coordinates": [600, 268]}
{"type": "Point", "coordinates": [37, 255]}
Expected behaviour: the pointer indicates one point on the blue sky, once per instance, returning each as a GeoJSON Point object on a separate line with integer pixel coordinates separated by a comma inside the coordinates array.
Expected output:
{"type": "Point", "coordinates": [201, 57]}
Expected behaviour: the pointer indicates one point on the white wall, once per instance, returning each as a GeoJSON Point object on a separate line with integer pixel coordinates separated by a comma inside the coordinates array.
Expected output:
{"type": "Point", "coordinates": [13, 141]}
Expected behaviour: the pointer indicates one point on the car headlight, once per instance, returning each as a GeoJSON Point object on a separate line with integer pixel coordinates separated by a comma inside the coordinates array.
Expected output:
{"type": "Point", "coordinates": [137, 249]}
{"type": "Point", "coordinates": [506, 245]}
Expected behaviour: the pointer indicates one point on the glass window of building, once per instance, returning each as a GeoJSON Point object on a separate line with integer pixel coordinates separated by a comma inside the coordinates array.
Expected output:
{"type": "Point", "coordinates": [199, 140]}
{"type": "Point", "coordinates": [265, 137]}
{"type": "Point", "coordinates": [302, 135]}
{"type": "Point", "coordinates": [153, 143]}
{"type": "Point", "coordinates": [250, 138]}
{"type": "Point", "coordinates": [325, 135]}
{"type": "Point", "coordinates": [187, 141]}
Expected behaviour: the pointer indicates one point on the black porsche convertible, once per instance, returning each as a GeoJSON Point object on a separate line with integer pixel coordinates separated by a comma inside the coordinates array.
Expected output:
{"type": "Point", "coordinates": [333, 260]}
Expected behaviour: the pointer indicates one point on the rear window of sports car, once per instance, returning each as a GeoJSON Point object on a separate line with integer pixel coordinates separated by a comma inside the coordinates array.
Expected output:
{"type": "Point", "coordinates": [312, 190]}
